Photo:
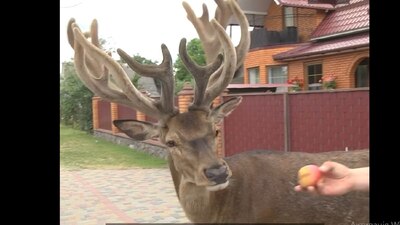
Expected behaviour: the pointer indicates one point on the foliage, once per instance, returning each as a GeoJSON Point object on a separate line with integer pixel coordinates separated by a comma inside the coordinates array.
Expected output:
{"type": "Point", "coordinates": [196, 52]}
{"type": "Point", "coordinates": [298, 84]}
{"type": "Point", "coordinates": [75, 100]}
{"type": "Point", "coordinates": [328, 81]}
{"type": "Point", "coordinates": [79, 150]}
{"type": "Point", "coordinates": [106, 46]}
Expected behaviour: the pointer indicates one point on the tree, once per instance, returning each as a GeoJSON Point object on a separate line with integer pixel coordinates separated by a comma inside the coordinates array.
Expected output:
{"type": "Point", "coordinates": [75, 100]}
{"type": "Point", "coordinates": [196, 52]}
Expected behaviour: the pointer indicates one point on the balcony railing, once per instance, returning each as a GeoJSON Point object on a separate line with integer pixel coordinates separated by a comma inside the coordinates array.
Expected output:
{"type": "Point", "coordinates": [262, 37]}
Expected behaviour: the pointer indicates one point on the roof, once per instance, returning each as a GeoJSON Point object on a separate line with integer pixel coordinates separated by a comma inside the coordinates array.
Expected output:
{"type": "Point", "coordinates": [345, 19]}
{"type": "Point", "coordinates": [145, 83]}
{"type": "Point", "coordinates": [307, 3]}
{"type": "Point", "coordinates": [323, 47]}
{"type": "Point", "coordinates": [304, 4]}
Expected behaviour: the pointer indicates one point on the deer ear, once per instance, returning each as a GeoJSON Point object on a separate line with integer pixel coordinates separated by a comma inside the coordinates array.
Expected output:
{"type": "Point", "coordinates": [137, 130]}
{"type": "Point", "coordinates": [225, 109]}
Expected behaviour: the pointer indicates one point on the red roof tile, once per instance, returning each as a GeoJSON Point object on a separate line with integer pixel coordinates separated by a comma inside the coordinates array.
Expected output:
{"type": "Point", "coordinates": [304, 4]}
{"type": "Point", "coordinates": [352, 17]}
{"type": "Point", "coordinates": [313, 48]}
{"type": "Point", "coordinates": [350, 2]}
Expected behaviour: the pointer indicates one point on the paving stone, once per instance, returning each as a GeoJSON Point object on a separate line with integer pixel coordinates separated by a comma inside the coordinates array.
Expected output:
{"type": "Point", "coordinates": [118, 196]}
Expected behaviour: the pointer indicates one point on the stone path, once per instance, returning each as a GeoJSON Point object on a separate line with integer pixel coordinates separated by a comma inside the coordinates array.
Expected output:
{"type": "Point", "coordinates": [118, 196]}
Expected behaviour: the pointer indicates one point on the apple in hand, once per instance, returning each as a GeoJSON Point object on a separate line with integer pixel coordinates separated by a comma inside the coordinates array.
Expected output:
{"type": "Point", "coordinates": [309, 175]}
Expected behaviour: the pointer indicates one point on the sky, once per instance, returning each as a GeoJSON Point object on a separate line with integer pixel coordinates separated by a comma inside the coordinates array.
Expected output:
{"type": "Point", "coordinates": [137, 27]}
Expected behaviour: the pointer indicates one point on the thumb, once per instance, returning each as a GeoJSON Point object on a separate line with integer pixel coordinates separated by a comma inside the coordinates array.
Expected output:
{"type": "Point", "coordinates": [327, 166]}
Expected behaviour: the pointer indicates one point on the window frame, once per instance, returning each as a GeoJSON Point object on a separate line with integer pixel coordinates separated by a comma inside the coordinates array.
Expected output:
{"type": "Point", "coordinates": [307, 76]}
{"type": "Point", "coordinates": [357, 81]}
{"type": "Point", "coordinates": [256, 68]}
{"type": "Point", "coordinates": [286, 16]}
{"type": "Point", "coordinates": [268, 70]}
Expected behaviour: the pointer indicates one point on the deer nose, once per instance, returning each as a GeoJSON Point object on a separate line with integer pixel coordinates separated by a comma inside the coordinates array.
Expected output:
{"type": "Point", "coordinates": [217, 173]}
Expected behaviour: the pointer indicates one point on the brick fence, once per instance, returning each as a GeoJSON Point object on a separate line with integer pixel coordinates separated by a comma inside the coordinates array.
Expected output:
{"type": "Point", "coordinates": [306, 121]}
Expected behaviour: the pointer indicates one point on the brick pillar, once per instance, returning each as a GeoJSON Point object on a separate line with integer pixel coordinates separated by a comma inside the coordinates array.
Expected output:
{"type": "Point", "coordinates": [139, 115]}
{"type": "Point", "coordinates": [114, 116]}
{"type": "Point", "coordinates": [95, 112]}
{"type": "Point", "coordinates": [220, 138]}
{"type": "Point", "coordinates": [185, 97]}
{"type": "Point", "coordinates": [217, 101]}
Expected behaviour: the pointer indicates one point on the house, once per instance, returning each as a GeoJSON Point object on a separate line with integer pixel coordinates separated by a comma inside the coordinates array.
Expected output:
{"type": "Point", "coordinates": [294, 39]}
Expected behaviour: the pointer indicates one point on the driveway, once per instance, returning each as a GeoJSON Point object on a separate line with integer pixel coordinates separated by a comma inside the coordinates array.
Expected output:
{"type": "Point", "coordinates": [118, 196]}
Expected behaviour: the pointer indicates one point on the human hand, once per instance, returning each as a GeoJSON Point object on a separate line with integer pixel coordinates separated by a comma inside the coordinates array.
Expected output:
{"type": "Point", "coordinates": [338, 179]}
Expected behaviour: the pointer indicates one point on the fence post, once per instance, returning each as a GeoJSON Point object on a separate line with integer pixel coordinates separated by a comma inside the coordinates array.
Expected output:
{"type": "Point", "coordinates": [139, 115]}
{"type": "Point", "coordinates": [114, 116]}
{"type": "Point", "coordinates": [286, 122]}
{"type": "Point", "coordinates": [220, 138]}
{"type": "Point", "coordinates": [185, 97]}
{"type": "Point", "coordinates": [95, 112]}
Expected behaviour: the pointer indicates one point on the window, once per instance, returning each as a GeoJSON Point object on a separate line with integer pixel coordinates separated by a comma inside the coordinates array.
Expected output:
{"type": "Point", "coordinates": [277, 75]}
{"type": "Point", "coordinates": [288, 13]}
{"type": "Point", "coordinates": [362, 74]}
{"type": "Point", "coordinates": [255, 20]}
{"type": "Point", "coordinates": [254, 75]}
{"type": "Point", "coordinates": [314, 75]}
{"type": "Point", "coordinates": [239, 79]}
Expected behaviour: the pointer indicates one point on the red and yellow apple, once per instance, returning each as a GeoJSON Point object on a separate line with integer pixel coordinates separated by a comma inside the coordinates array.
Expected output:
{"type": "Point", "coordinates": [309, 175]}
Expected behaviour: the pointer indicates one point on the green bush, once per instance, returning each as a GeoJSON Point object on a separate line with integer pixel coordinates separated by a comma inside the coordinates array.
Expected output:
{"type": "Point", "coordinates": [182, 75]}
{"type": "Point", "coordinates": [75, 100]}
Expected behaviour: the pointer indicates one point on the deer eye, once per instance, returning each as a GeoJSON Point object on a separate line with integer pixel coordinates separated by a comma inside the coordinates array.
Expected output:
{"type": "Point", "coordinates": [217, 132]}
{"type": "Point", "coordinates": [171, 144]}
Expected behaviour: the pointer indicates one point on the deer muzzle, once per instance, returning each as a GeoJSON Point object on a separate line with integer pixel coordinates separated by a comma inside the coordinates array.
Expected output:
{"type": "Point", "coordinates": [217, 175]}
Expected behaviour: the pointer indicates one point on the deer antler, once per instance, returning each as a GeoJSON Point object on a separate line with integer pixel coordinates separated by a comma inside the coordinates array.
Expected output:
{"type": "Point", "coordinates": [214, 38]}
{"type": "Point", "coordinates": [201, 74]}
{"type": "Point", "coordinates": [204, 29]}
{"type": "Point", "coordinates": [107, 79]}
{"type": "Point", "coordinates": [92, 65]}
{"type": "Point", "coordinates": [154, 71]}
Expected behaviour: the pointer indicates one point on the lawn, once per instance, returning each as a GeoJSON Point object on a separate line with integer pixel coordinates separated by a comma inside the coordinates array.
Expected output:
{"type": "Point", "coordinates": [79, 150]}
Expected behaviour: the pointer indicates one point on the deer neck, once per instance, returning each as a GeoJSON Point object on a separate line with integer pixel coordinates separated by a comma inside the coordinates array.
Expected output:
{"type": "Point", "coordinates": [197, 203]}
{"type": "Point", "coordinates": [195, 200]}
{"type": "Point", "coordinates": [193, 197]}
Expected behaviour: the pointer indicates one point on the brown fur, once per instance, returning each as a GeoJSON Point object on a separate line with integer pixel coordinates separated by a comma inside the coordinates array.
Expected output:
{"type": "Point", "coordinates": [261, 191]}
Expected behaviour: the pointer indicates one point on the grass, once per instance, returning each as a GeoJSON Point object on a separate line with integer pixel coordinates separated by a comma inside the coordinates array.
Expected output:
{"type": "Point", "coordinates": [79, 150]}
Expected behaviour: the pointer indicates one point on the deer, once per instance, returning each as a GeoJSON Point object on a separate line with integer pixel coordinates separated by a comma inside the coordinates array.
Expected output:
{"type": "Point", "coordinates": [250, 187]}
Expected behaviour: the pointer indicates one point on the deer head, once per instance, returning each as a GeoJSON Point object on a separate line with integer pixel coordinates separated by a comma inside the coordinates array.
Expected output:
{"type": "Point", "coordinates": [189, 136]}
